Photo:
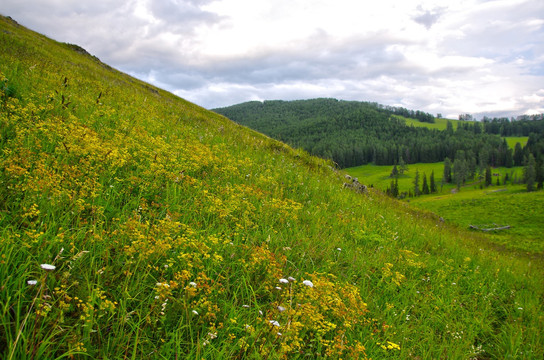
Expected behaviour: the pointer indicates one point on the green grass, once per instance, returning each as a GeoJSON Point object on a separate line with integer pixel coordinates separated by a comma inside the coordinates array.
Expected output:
{"type": "Point", "coordinates": [513, 140]}
{"type": "Point", "coordinates": [439, 124]}
{"type": "Point", "coordinates": [170, 228]}
{"type": "Point", "coordinates": [501, 206]}
{"type": "Point", "coordinates": [509, 205]}
{"type": "Point", "coordinates": [378, 176]}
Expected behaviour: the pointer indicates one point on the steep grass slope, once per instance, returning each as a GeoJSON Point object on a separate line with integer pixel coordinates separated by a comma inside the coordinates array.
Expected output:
{"type": "Point", "coordinates": [134, 224]}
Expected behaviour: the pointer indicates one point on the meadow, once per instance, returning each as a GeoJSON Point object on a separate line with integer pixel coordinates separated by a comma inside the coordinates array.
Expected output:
{"type": "Point", "coordinates": [474, 204]}
{"type": "Point", "coordinates": [439, 124]}
{"type": "Point", "coordinates": [137, 225]}
{"type": "Point", "coordinates": [491, 208]}
{"type": "Point", "coordinates": [513, 140]}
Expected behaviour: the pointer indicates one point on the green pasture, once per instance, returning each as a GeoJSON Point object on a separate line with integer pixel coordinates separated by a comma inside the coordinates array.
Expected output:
{"type": "Point", "coordinates": [378, 176]}
{"type": "Point", "coordinates": [137, 225]}
{"type": "Point", "coordinates": [513, 140]}
{"type": "Point", "coordinates": [491, 208]}
{"type": "Point", "coordinates": [473, 205]}
{"type": "Point", "coordinates": [439, 124]}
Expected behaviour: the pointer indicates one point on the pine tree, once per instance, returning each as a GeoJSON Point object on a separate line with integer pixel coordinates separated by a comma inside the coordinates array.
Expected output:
{"type": "Point", "coordinates": [518, 155]}
{"type": "Point", "coordinates": [416, 184]}
{"type": "Point", "coordinates": [394, 190]}
{"type": "Point", "coordinates": [449, 127]}
{"type": "Point", "coordinates": [488, 176]}
{"type": "Point", "coordinates": [402, 166]}
{"type": "Point", "coordinates": [530, 173]}
{"type": "Point", "coordinates": [394, 172]}
{"type": "Point", "coordinates": [433, 184]}
{"type": "Point", "coordinates": [459, 172]}
{"type": "Point", "coordinates": [447, 171]}
{"type": "Point", "coordinates": [425, 186]}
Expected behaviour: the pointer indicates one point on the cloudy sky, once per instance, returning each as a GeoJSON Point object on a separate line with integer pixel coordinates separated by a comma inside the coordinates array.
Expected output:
{"type": "Point", "coordinates": [450, 57]}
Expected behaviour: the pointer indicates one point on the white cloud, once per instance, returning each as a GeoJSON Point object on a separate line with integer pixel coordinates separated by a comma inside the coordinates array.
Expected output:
{"type": "Point", "coordinates": [472, 56]}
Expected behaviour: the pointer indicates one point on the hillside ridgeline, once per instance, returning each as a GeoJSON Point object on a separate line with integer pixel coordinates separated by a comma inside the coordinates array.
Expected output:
{"type": "Point", "coordinates": [136, 225]}
{"type": "Point", "coordinates": [353, 133]}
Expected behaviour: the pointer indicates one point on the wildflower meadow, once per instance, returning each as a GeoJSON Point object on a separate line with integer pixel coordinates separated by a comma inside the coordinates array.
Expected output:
{"type": "Point", "coordinates": [136, 225]}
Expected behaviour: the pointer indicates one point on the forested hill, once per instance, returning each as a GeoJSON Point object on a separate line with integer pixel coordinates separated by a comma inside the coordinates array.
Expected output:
{"type": "Point", "coordinates": [354, 133]}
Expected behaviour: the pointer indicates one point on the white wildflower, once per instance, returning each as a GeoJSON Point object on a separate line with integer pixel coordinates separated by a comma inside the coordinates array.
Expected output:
{"type": "Point", "coordinates": [195, 312]}
{"type": "Point", "coordinates": [281, 308]}
{"type": "Point", "coordinates": [245, 306]}
{"type": "Point", "coordinates": [274, 322]}
{"type": "Point", "coordinates": [339, 249]}
{"type": "Point", "coordinates": [278, 288]}
{"type": "Point", "coordinates": [193, 284]}
{"type": "Point", "coordinates": [284, 281]}
{"type": "Point", "coordinates": [308, 283]}
{"type": "Point", "coordinates": [290, 278]}
{"type": "Point", "coordinates": [32, 282]}
{"type": "Point", "coordinates": [48, 267]}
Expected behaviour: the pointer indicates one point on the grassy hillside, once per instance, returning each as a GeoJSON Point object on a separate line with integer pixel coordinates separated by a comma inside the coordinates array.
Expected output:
{"type": "Point", "coordinates": [505, 204]}
{"type": "Point", "coordinates": [513, 140]}
{"type": "Point", "coordinates": [439, 123]}
{"type": "Point", "coordinates": [491, 208]}
{"type": "Point", "coordinates": [380, 176]}
{"type": "Point", "coordinates": [136, 225]}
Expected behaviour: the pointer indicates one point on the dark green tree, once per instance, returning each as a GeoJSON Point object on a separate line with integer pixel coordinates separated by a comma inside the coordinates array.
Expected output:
{"type": "Point", "coordinates": [402, 166]}
{"type": "Point", "coordinates": [447, 171]}
{"type": "Point", "coordinates": [424, 185]}
{"type": "Point", "coordinates": [488, 176]}
{"type": "Point", "coordinates": [518, 155]}
{"type": "Point", "coordinates": [508, 158]}
{"type": "Point", "coordinates": [530, 173]}
{"type": "Point", "coordinates": [449, 127]}
{"type": "Point", "coordinates": [394, 191]}
{"type": "Point", "coordinates": [416, 184]}
{"type": "Point", "coordinates": [433, 184]}
{"type": "Point", "coordinates": [459, 172]}
{"type": "Point", "coordinates": [394, 172]}
{"type": "Point", "coordinates": [540, 176]}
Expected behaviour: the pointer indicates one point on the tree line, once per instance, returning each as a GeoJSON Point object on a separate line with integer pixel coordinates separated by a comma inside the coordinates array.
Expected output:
{"type": "Point", "coordinates": [353, 133]}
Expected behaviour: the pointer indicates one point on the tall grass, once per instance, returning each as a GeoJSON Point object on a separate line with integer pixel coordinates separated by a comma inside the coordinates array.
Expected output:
{"type": "Point", "coordinates": [177, 234]}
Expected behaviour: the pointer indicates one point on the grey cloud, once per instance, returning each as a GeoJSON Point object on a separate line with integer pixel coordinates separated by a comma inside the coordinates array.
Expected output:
{"type": "Point", "coordinates": [368, 67]}
{"type": "Point", "coordinates": [181, 15]}
{"type": "Point", "coordinates": [428, 18]}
